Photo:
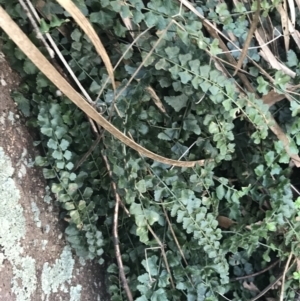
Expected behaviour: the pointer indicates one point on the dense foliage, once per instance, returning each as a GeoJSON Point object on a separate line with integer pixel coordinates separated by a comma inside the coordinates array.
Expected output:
{"type": "Point", "coordinates": [174, 243]}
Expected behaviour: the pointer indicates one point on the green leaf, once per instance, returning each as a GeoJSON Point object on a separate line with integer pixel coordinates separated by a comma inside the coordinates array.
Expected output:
{"type": "Point", "coordinates": [172, 52]}
{"type": "Point", "coordinates": [183, 35]}
{"type": "Point", "coordinates": [180, 216]}
{"type": "Point", "coordinates": [204, 71]}
{"type": "Point", "coordinates": [94, 87]}
{"type": "Point", "coordinates": [142, 232]}
{"type": "Point", "coordinates": [68, 206]}
{"type": "Point", "coordinates": [60, 164]}
{"type": "Point", "coordinates": [72, 176]}
{"type": "Point", "coordinates": [162, 64]}
{"type": "Point", "coordinates": [185, 77]}
{"type": "Point", "coordinates": [49, 173]}
{"type": "Point", "coordinates": [262, 85]}
{"type": "Point", "coordinates": [213, 128]}
{"type": "Point", "coordinates": [214, 90]}
{"type": "Point", "coordinates": [270, 158]}
{"type": "Point", "coordinates": [259, 170]}
{"type": "Point", "coordinates": [81, 205]}
{"type": "Point", "coordinates": [295, 108]}
{"type": "Point", "coordinates": [42, 81]}
{"type": "Point", "coordinates": [137, 17]}
{"type": "Point", "coordinates": [150, 265]}
{"type": "Point", "coordinates": [281, 79]}
{"type": "Point", "coordinates": [88, 191]}
{"type": "Point", "coordinates": [141, 186]}
{"type": "Point", "coordinates": [196, 82]}
{"type": "Point", "coordinates": [164, 136]}
{"type": "Point", "coordinates": [194, 65]}
{"type": "Point", "coordinates": [292, 59]}
{"type": "Point", "coordinates": [41, 161]}
{"type": "Point", "coordinates": [174, 71]}
{"type": "Point", "coordinates": [152, 216]}
{"type": "Point", "coordinates": [205, 85]}
{"type": "Point", "coordinates": [150, 19]}
{"type": "Point", "coordinates": [177, 102]}
{"type": "Point", "coordinates": [214, 49]}
{"type": "Point", "coordinates": [77, 46]}
{"type": "Point", "coordinates": [119, 29]}
{"type": "Point", "coordinates": [191, 124]}
{"type": "Point", "coordinates": [203, 43]}
{"type": "Point", "coordinates": [57, 154]}
{"type": "Point", "coordinates": [220, 191]}
{"type": "Point", "coordinates": [76, 35]}
{"type": "Point", "coordinates": [227, 104]}
{"type": "Point", "coordinates": [159, 295]}
{"type": "Point", "coordinates": [75, 217]}
{"type": "Point", "coordinates": [103, 18]}
{"type": "Point", "coordinates": [56, 22]}
{"type": "Point", "coordinates": [23, 103]}
{"type": "Point", "coordinates": [64, 144]}
{"type": "Point", "coordinates": [128, 49]}
{"type": "Point", "coordinates": [184, 58]}
{"type": "Point", "coordinates": [271, 226]}
{"type": "Point", "coordinates": [29, 67]}
{"type": "Point", "coordinates": [44, 27]}
{"type": "Point", "coordinates": [67, 155]}
{"type": "Point", "coordinates": [104, 3]}
{"type": "Point", "coordinates": [116, 5]}
{"type": "Point", "coordinates": [125, 11]}
{"type": "Point", "coordinates": [70, 166]}
{"type": "Point", "coordinates": [60, 131]}
{"type": "Point", "coordinates": [52, 144]}
{"type": "Point", "coordinates": [63, 197]}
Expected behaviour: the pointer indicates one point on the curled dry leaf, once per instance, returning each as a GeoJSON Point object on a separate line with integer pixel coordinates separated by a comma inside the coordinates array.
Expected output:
{"type": "Point", "coordinates": [251, 287]}
{"type": "Point", "coordinates": [86, 26]}
{"type": "Point", "coordinates": [284, 23]}
{"type": "Point", "coordinates": [225, 222]}
{"type": "Point", "coordinates": [156, 99]}
{"type": "Point", "coordinates": [31, 51]}
{"type": "Point", "coordinates": [268, 56]}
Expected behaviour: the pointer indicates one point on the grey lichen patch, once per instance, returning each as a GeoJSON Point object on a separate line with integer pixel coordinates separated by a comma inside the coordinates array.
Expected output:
{"type": "Point", "coordinates": [82, 261]}
{"type": "Point", "coordinates": [23, 163]}
{"type": "Point", "coordinates": [56, 277]}
{"type": "Point", "coordinates": [44, 243]}
{"type": "Point", "coordinates": [1, 260]}
{"type": "Point", "coordinates": [47, 197]}
{"type": "Point", "coordinates": [11, 117]}
{"type": "Point", "coordinates": [12, 230]}
{"type": "Point", "coordinates": [75, 293]}
{"type": "Point", "coordinates": [24, 270]}
{"type": "Point", "coordinates": [22, 171]}
{"type": "Point", "coordinates": [2, 119]}
{"type": "Point", "coordinates": [47, 229]}
{"type": "Point", "coordinates": [36, 214]}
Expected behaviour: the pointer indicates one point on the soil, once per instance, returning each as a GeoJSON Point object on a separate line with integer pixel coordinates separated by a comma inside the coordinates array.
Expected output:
{"type": "Point", "coordinates": [44, 239]}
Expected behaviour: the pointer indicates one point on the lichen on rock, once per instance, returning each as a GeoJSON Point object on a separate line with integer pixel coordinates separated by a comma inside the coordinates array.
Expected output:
{"type": "Point", "coordinates": [12, 230]}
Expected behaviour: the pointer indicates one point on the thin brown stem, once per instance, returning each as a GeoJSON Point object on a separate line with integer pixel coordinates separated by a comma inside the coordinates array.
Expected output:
{"type": "Point", "coordinates": [283, 276]}
{"type": "Point", "coordinates": [88, 153]}
{"type": "Point", "coordinates": [116, 235]}
{"type": "Point", "coordinates": [263, 292]}
{"type": "Point", "coordinates": [174, 236]}
{"type": "Point", "coordinates": [258, 273]}
{"type": "Point", "coordinates": [163, 254]}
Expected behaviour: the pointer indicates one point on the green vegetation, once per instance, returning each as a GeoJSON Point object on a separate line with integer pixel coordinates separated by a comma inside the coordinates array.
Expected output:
{"type": "Point", "coordinates": [185, 233]}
